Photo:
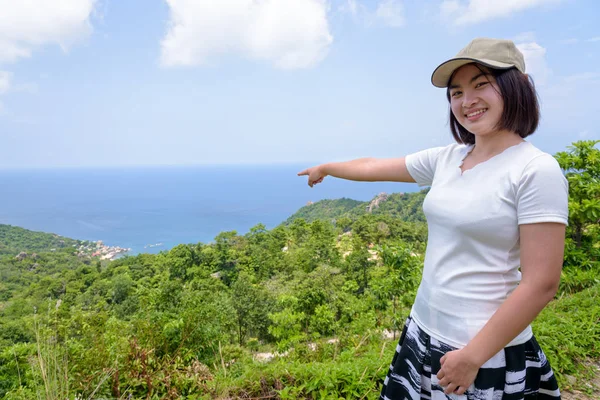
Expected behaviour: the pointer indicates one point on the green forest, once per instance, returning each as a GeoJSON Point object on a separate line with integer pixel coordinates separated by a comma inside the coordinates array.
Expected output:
{"type": "Point", "coordinates": [310, 309]}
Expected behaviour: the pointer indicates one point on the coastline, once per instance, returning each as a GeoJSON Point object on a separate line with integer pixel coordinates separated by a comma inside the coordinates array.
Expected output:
{"type": "Point", "coordinates": [99, 249]}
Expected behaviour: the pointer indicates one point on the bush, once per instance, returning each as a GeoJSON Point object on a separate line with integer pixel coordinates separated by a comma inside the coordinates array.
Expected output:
{"type": "Point", "coordinates": [569, 332]}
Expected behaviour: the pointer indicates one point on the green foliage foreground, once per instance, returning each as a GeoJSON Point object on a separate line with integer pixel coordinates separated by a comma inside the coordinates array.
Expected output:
{"type": "Point", "coordinates": [298, 311]}
{"type": "Point", "coordinates": [568, 330]}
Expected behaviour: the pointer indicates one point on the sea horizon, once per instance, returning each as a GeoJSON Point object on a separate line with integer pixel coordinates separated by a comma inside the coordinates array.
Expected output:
{"type": "Point", "coordinates": [154, 208]}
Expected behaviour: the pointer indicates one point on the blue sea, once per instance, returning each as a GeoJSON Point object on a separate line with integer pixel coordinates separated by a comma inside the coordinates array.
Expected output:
{"type": "Point", "coordinates": [152, 209]}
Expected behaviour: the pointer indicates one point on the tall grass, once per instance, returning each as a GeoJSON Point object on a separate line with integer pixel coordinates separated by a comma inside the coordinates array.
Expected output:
{"type": "Point", "coordinates": [48, 377]}
{"type": "Point", "coordinates": [50, 367]}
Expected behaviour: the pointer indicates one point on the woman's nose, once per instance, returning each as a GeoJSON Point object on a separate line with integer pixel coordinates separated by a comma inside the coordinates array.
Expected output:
{"type": "Point", "coordinates": [469, 99]}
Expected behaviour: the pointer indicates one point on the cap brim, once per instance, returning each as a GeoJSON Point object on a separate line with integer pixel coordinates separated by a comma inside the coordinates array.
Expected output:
{"type": "Point", "coordinates": [441, 75]}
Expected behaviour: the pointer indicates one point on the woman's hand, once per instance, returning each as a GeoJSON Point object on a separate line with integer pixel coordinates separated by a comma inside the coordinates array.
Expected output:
{"type": "Point", "coordinates": [457, 372]}
{"type": "Point", "coordinates": [315, 175]}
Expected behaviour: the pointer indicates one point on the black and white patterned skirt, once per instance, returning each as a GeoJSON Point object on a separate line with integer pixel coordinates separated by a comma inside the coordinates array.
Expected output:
{"type": "Point", "coordinates": [519, 372]}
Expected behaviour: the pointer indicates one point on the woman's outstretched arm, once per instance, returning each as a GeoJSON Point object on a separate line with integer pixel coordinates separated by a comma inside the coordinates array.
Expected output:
{"type": "Point", "coordinates": [362, 169]}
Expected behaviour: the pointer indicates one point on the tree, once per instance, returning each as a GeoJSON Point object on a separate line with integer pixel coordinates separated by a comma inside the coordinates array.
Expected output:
{"type": "Point", "coordinates": [251, 305]}
{"type": "Point", "coordinates": [581, 164]}
{"type": "Point", "coordinates": [180, 259]}
{"type": "Point", "coordinates": [264, 250]}
{"type": "Point", "coordinates": [313, 245]}
{"type": "Point", "coordinates": [229, 247]}
{"type": "Point", "coordinates": [358, 264]}
{"type": "Point", "coordinates": [286, 324]}
{"type": "Point", "coordinates": [344, 223]}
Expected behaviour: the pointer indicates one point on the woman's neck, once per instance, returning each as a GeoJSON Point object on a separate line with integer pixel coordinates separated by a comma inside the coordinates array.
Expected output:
{"type": "Point", "coordinates": [490, 145]}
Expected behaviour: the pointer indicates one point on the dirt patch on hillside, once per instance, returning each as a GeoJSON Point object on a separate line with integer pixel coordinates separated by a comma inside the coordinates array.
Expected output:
{"type": "Point", "coordinates": [593, 384]}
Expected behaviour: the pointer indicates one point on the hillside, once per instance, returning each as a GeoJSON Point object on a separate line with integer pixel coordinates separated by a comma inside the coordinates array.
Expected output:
{"type": "Point", "coordinates": [14, 239]}
{"type": "Point", "coordinates": [22, 242]}
{"type": "Point", "coordinates": [327, 210]}
{"type": "Point", "coordinates": [405, 206]}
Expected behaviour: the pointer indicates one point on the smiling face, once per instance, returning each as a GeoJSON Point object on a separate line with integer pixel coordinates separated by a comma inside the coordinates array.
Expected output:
{"type": "Point", "coordinates": [475, 100]}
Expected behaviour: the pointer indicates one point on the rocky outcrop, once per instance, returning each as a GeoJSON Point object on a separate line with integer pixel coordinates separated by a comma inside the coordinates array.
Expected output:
{"type": "Point", "coordinates": [374, 204]}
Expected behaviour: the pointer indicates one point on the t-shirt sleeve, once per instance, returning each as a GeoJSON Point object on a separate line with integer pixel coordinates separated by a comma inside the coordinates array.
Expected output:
{"type": "Point", "coordinates": [421, 165]}
{"type": "Point", "coordinates": [543, 192]}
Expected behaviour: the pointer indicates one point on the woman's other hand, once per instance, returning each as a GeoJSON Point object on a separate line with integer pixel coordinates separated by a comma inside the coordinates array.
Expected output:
{"type": "Point", "coordinates": [458, 371]}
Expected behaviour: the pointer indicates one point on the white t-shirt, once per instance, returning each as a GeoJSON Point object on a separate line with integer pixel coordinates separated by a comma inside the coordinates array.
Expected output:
{"type": "Point", "coordinates": [473, 251]}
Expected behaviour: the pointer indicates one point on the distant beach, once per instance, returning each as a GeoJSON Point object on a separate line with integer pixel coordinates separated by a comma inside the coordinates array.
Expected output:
{"type": "Point", "coordinates": [99, 249]}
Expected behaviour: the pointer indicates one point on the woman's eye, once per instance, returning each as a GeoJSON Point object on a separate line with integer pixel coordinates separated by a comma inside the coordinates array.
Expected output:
{"type": "Point", "coordinates": [480, 84]}
{"type": "Point", "coordinates": [456, 94]}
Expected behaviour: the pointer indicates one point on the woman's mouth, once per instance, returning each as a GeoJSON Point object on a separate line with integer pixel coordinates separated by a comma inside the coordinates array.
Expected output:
{"type": "Point", "coordinates": [475, 115]}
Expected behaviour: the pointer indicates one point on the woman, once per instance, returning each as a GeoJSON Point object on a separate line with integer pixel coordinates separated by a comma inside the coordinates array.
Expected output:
{"type": "Point", "coordinates": [496, 214]}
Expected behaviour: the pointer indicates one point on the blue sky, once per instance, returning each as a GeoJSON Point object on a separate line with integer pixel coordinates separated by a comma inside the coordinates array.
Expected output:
{"type": "Point", "coordinates": [116, 83]}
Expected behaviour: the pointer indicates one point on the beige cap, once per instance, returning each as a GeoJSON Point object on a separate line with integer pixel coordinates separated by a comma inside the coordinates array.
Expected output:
{"type": "Point", "coordinates": [493, 53]}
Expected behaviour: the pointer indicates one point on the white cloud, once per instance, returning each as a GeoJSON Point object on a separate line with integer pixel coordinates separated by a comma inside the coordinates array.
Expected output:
{"type": "Point", "coordinates": [584, 134]}
{"type": "Point", "coordinates": [29, 87]}
{"type": "Point", "coordinates": [350, 6]}
{"type": "Point", "coordinates": [450, 7]}
{"type": "Point", "coordinates": [568, 41]}
{"type": "Point", "coordinates": [556, 94]}
{"type": "Point", "coordinates": [475, 11]}
{"type": "Point", "coordinates": [4, 86]}
{"type": "Point", "coordinates": [384, 12]}
{"type": "Point", "coordinates": [25, 25]}
{"type": "Point", "coordinates": [587, 77]}
{"type": "Point", "coordinates": [5, 78]}
{"type": "Point", "coordinates": [290, 34]}
{"type": "Point", "coordinates": [525, 37]}
{"type": "Point", "coordinates": [391, 12]}
{"type": "Point", "coordinates": [535, 62]}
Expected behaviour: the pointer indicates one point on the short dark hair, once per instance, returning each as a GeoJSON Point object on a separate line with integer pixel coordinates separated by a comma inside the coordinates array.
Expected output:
{"type": "Point", "coordinates": [521, 112]}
